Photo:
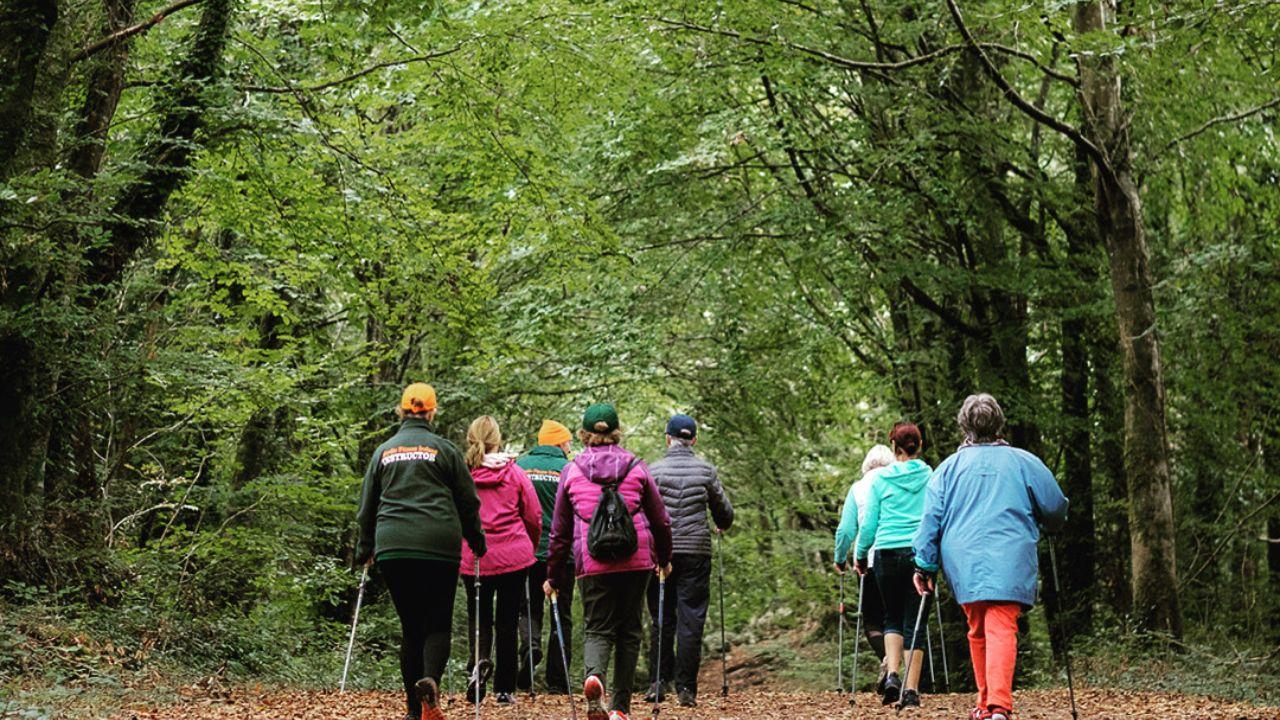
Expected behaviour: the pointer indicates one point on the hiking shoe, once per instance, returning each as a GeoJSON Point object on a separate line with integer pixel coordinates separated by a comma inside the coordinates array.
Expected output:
{"type": "Point", "coordinates": [687, 698]}
{"type": "Point", "coordinates": [618, 715]}
{"type": "Point", "coordinates": [995, 712]}
{"type": "Point", "coordinates": [655, 696]}
{"type": "Point", "coordinates": [479, 679]}
{"type": "Point", "coordinates": [910, 698]}
{"type": "Point", "coordinates": [593, 691]}
{"type": "Point", "coordinates": [892, 689]}
{"type": "Point", "coordinates": [428, 693]}
{"type": "Point", "coordinates": [979, 714]}
{"type": "Point", "coordinates": [505, 698]}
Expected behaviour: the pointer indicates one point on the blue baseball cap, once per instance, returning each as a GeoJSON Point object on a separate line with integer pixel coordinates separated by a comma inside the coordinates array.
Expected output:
{"type": "Point", "coordinates": [682, 426]}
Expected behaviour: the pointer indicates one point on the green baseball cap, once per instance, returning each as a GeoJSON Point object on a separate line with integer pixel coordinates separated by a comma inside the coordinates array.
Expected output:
{"type": "Point", "coordinates": [600, 418]}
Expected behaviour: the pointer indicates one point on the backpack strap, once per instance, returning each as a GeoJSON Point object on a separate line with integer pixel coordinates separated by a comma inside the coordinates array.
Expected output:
{"type": "Point", "coordinates": [617, 482]}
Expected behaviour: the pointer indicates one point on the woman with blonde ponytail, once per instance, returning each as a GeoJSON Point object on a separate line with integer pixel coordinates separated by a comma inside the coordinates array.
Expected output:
{"type": "Point", "coordinates": [512, 519]}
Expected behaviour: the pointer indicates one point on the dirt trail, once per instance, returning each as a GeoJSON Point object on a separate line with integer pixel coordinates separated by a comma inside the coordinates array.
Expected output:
{"type": "Point", "coordinates": [750, 705]}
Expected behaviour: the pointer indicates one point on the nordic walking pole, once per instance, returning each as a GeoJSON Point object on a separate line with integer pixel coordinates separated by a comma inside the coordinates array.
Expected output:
{"type": "Point", "coordinates": [355, 618]}
{"type": "Point", "coordinates": [724, 646]}
{"type": "Point", "coordinates": [857, 633]}
{"type": "Point", "coordinates": [1066, 652]}
{"type": "Point", "coordinates": [928, 640]}
{"type": "Point", "coordinates": [657, 673]}
{"type": "Point", "coordinates": [529, 611]}
{"type": "Point", "coordinates": [555, 615]}
{"type": "Point", "coordinates": [915, 636]}
{"type": "Point", "coordinates": [942, 641]}
{"type": "Point", "coordinates": [840, 639]}
{"type": "Point", "coordinates": [477, 675]}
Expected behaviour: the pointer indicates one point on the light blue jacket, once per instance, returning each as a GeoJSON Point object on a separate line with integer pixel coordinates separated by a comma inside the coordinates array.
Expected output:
{"type": "Point", "coordinates": [981, 512]}
{"type": "Point", "coordinates": [851, 515]}
{"type": "Point", "coordinates": [894, 506]}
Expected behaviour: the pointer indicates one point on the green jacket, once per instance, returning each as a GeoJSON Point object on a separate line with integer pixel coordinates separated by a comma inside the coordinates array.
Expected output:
{"type": "Point", "coordinates": [418, 499]}
{"type": "Point", "coordinates": [543, 464]}
{"type": "Point", "coordinates": [895, 507]}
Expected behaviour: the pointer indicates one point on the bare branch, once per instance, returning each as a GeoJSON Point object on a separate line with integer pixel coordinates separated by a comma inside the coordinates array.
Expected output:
{"type": "Point", "coordinates": [1011, 94]}
{"type": "Point", "coordinates": [850, 64]}
{"type": "Point", "coordinates": [1221, 119]}
{"type": "Point", "coordinates": [135, 29]}
{"type": "Point", "coordinates": [353, 76]}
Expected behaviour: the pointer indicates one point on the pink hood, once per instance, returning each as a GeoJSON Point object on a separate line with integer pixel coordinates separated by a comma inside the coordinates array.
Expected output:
{"type": "Point", "coordinates": [510, 515]}
{"type": "Point", "coordinates": [579, 493]}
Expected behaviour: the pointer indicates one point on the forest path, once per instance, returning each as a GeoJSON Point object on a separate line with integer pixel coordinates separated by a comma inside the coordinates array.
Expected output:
{"type": "Point", "coordinates": [1095, 704]}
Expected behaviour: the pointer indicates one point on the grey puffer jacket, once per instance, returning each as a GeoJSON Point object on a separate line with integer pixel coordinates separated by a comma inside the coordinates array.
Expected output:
{"type": "Point", "coordinates": [689, 487]}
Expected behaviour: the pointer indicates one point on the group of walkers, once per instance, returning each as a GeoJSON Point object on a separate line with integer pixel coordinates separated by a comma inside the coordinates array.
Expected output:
{"type": "Point", "coordinates": [605, 523]}
{"type": "Point", "coordinates": [541, 523]}
{"type": "Point", "coordinates": [976, 518]}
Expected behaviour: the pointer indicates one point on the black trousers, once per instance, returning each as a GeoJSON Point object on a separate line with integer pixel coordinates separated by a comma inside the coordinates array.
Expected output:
{"type": "Point", "coordinates": [873, 613]}
{"type": "Point", "coordinates": [500, 600]}
{"type": "Point", "coordinates": [537, 611]}
{"type": "Point", "coordinates": [684, 616]}
{"type": "Point", "coordinates": [422, 592]}
{"type": "Point", "coordinates": [613, 612]}
{"type": "Point", "coordinates": [894, 571]}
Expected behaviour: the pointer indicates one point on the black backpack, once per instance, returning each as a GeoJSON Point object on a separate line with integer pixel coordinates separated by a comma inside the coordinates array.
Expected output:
{"type": "Point", "coordinates": [611, 532]}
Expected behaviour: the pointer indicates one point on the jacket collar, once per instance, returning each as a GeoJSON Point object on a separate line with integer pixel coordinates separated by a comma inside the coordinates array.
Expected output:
{"type": "Point", "coordinates": [548, 451]}
{"type": "Point", "coordinates": [677, 450]}
{"type": "Point", "coordinates": [415, 422]}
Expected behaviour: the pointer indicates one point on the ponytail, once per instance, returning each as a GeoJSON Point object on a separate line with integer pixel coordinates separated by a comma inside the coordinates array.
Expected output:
{"type": "Point", "coordinates": [482, 437]}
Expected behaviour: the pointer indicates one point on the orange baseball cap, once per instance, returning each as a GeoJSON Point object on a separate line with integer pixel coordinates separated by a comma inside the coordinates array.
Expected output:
{"type": "Point", "coordinates": [418, 397]}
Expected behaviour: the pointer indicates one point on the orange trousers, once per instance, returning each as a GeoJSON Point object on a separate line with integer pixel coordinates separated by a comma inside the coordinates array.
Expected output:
{"type": "Point", "coordinates": [993, 647]}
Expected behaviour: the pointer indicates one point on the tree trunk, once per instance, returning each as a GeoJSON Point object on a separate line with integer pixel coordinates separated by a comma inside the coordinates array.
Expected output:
{"type": "Point", "coordinates": [1121, 226]}
{"type": "Point", "coordinates": [25, 26]}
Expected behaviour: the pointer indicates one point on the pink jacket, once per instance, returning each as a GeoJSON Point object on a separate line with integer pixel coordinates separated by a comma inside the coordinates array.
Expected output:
{"type": "Point", "coordinates": [511, 517]}
{"type": "Point", "coordinates": [579, 493]}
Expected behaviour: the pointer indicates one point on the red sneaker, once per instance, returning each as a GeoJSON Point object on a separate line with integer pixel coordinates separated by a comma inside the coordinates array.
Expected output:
{"type": "Point", "coordinates": [429, 696]}
{"type": "Point", "coordinates": [593, 691]}
{"type": "Point", "coordinates": [618, 715]}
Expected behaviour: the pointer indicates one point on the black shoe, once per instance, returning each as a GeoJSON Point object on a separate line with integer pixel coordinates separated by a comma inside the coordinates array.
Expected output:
{"type": "Point", "coordinates": [910, 698]}
{"type": "Point", "coordinates": [505, 698]}
{"type": "Point", "coordinates": [479, 679]}
{"type": "Point", "coordinates": [892, 689]}
{"type": "Point", "coordinates": [687, 698]}
{"type": "Point", "coordinates": [654, 696]}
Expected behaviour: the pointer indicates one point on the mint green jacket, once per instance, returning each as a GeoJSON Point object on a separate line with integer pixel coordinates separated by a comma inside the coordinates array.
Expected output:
{"type": "Point", "coordinates": [895, 507]}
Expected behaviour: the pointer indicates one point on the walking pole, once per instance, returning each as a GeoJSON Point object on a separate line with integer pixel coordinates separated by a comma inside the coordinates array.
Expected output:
{"type": "Point", "coordinates": [915, 635]}
{"type": "Point", "coordinates": [555, 615]}
{"type": "Point", "coordinates": [476, 673]}
{"type": "Point", "coordinates": [529, 611]}
{"type": "Point", "coordinates": [1066, 652]}
{"type": "Point", "coordinates": [857, 633]}
{"type": "Point", "coordinates": [657, 673]}
{"type": "Point", "coordinates": [928, 639]}
{"type": "Point", "coordinates": [724, 646]}
{"type": "Point", "coordinates": [355, 618]}
{"type": "Point", "coordinates": [840, 639]}
{"type": "Point", "coordinates": [942, 640]}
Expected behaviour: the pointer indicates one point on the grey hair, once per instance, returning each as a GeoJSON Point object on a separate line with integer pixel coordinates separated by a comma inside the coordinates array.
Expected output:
{"type": "Point", "coordinates": [687, 442]}
{"type": "Point", "coordinates": [980, 418]}
{"type": "Point", "coordinates": [877, 457]}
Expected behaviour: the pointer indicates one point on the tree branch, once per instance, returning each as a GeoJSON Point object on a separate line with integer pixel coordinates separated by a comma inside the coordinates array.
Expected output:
{"type": "Point", "coordinates": [1011, 94]}
{"type": "Point", "coordinates": [353, 76]}
{"type": "Point", "coordinates": [135, 29]}
{"type": "Point", "coordinates": [1232, 117]}
{"type": "Point", "coordinates": [847, 63]}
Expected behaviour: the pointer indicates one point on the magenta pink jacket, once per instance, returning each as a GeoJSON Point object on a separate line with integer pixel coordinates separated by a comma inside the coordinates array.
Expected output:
{"type": "Point", "coordinates": [580, 484]}
{"type": "Point", "coordinates": [511, 517]}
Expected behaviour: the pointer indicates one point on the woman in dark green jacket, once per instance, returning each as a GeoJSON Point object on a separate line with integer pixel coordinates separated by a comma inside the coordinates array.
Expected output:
{"type": "Point", "coordinates": [417, 505]}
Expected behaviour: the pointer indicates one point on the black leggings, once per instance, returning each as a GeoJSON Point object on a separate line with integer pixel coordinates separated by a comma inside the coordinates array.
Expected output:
{"type": "Point", "coordinates": [873, 614]}
{"type": "Point", "coordinates": [895, 570]}
{"type": "Point", "coordinates": [509, 591]}
{"type": "Point", "coordinates": [422, 591]}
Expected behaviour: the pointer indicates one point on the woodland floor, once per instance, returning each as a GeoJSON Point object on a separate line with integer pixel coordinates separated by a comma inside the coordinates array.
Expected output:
{"type": "Point", "coordinates": [1094, 704]}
